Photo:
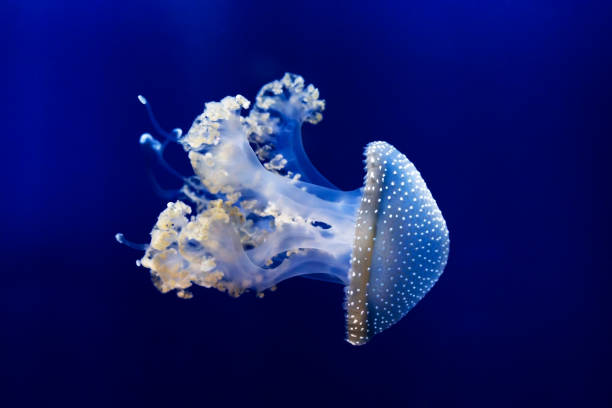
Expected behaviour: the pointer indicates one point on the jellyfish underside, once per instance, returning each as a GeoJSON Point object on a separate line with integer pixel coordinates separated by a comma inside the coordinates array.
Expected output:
{"type": "Point", "coordinates": [257, 212]}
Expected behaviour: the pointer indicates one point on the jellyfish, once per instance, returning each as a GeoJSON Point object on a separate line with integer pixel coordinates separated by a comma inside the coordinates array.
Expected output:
{"type": "Point", "coordinates": [256, 212]}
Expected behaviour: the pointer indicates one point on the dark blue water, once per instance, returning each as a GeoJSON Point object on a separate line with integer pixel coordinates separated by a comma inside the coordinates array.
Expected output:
{"type": "Point", "coordinates": [502, 106]}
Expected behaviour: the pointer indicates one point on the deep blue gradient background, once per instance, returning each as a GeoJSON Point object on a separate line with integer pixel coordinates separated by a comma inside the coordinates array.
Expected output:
{"type": "Point", "coordinates": [503, 107]}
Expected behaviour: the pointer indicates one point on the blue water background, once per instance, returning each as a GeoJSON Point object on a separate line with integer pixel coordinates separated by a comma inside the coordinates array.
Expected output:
{"type": "Point", "coordinates": [502, 106]}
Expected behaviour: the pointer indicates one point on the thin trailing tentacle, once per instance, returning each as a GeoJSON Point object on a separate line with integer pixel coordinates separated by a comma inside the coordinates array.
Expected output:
{"type": "Point", "coordinates": [166, 194]}
{"type": "Point", "coordinates": [171, 136]}
{"type": "Point", "coordinates": [155, 148]}
{"type": "Point", "coordinates": [122, 240]}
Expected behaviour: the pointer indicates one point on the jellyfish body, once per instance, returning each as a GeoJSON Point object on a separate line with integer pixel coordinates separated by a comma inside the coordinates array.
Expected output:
{"type": "Point", "coordinates": [259, 212]}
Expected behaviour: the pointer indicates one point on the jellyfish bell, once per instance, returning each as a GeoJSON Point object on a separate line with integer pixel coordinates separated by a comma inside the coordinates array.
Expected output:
{"type": "Point", "coordinates": [257, 212]}
{"type": "Point", "coordinates": [400, 246]}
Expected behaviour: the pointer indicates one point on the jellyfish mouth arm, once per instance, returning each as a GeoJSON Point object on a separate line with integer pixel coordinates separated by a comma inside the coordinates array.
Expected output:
{"type": "Point", "coordinates": [275, 127]}
{"type": "Point", "coordinates": [308, 262]}
{"type": "Point", "coordinates": [299, 218]}
{"type": "Point", "coordinates": [291, 238]}
{"type": "Point", "coordinates": [208, 251]}
{"type": "Point", "coordinates": [242, 273]}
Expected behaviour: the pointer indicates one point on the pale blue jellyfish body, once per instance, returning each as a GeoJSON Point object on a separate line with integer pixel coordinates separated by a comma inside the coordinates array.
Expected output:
{"type": "Point", "coordinates": [257, 212]}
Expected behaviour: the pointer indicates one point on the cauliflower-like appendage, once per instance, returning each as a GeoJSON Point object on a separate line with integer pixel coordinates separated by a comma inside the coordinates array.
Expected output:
{"type": "Point", "coordinates": [212, 160]}
{"type": "Point", "coordinates": [273, 125]}
{"type": "Point", "coordinates": [199, 250]}
{"type": "Point", "coordinates": [289, 97]}
{"type": "Point", "coordinates": [205, 129]}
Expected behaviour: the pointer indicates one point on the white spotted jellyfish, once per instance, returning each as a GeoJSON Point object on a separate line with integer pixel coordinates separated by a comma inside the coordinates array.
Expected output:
{"type": "Point", "coordinates": [257, 212]}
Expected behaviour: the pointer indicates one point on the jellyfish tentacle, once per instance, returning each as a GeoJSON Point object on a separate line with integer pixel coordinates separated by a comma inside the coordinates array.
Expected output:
{"type": "Point", "coordinates": [207, 250]}
{"type": "Point", "coordinates": [325, 278]}
{"type": "Point", "coordinates": [170, 136]}
{"type": "Point", "coordinates": [300, 235]}
{"type": "Point", "coordinates": [302, 263]}
{"type": "Point", "coordinates": [155, 149]}
{"type": "Point", "coordinates": [123, 240]}
{"type": "Point", "coordinates": [275, 128]}
{"type": "Point", "coordinates": [166, 194]}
